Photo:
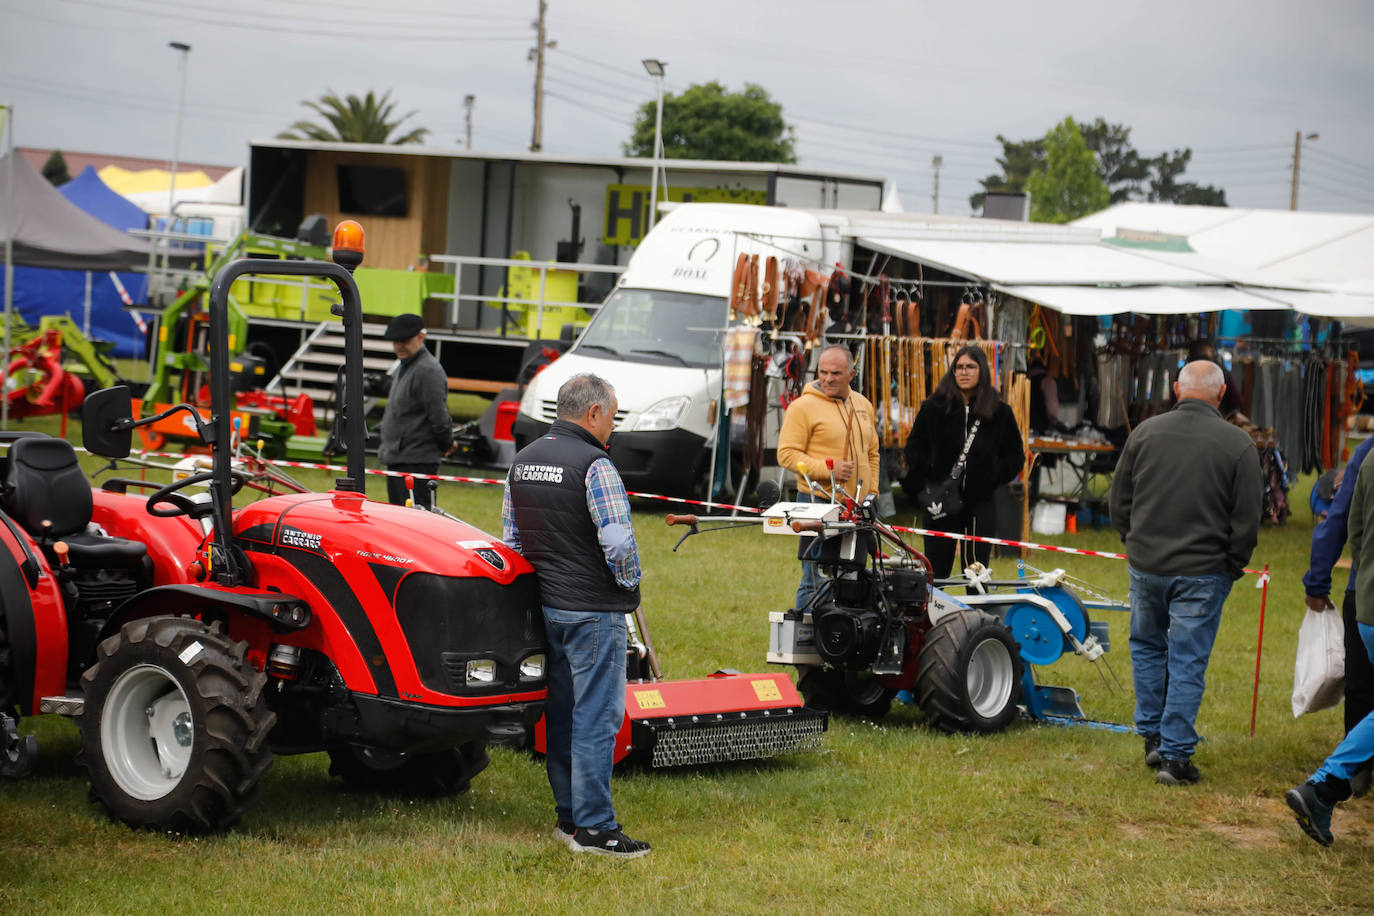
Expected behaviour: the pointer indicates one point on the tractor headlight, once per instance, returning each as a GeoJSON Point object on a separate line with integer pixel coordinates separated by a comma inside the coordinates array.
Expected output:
{"type": "Point", "coordinates": [481, 671]}
{"type": "Point", "coordinates": [532, 667]}
{"type": "Point", "coordinates": [663, 415]}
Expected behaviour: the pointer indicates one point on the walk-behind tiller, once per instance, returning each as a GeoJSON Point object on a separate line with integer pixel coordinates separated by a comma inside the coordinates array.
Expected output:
{"type": "Point", "coordinates": [879, 624]}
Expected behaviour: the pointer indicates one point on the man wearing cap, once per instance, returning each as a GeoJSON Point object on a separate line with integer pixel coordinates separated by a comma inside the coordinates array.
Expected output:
{"type": "Point", "coordinates": [416, 427]}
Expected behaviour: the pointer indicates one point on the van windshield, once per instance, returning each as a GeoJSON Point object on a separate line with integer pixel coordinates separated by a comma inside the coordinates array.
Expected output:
{"type": "Point", "coordinates": [657, 326]}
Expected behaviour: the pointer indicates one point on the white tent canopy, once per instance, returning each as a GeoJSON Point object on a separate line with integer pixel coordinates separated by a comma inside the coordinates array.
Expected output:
{"type": "Point", "coordinates": [1282, 246]}
{"type": "Point", "coordinates": [1142, 300]}
{"type": "Point", "coordinates": [1039, 262]}
{"type": "Point", "coordinates": [228, 190]}
{"type": "Point", "coordinates": [1318, 264]}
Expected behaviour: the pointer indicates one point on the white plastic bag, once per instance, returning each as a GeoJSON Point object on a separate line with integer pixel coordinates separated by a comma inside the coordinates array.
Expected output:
{"type": "Point", "coordinates": [1319, 673]}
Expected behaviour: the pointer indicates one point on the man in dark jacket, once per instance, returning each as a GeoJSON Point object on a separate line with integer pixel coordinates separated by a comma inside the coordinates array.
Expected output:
{"type": "Point", "coordinates": [416, 427]}
{"type": "Point", "coordinates": [1328, 541]}
{"type": "Point", "coordinates": [1186, 500]}
{"type": "Point", "coordinates": [566, 511]}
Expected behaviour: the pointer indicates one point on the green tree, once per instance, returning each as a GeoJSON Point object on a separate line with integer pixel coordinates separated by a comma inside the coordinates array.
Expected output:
{"type": "Point", "coordinates": [1117, 161]}
{"type": "Point", "coordinates": [708, 122]}
{"type": "Point", "coordinates": [354, 120]}
{"type": "Point", "coordinates": [1068, 186]}
{"type": "Point", "coordinates": [1018, 161]}
{"type": "Point", "coordinates": [55, 169]}
{"type": "Point", "coordinates": [1127, 174]}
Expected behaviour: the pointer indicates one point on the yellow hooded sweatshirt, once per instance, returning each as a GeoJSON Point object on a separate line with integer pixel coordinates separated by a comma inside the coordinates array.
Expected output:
{"type": "Point", "coordinates": [817, 427]}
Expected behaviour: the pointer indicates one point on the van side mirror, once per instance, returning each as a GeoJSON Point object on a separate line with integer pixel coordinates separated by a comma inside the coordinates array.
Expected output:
{"type": "Point", "coordinates": [107, 422]}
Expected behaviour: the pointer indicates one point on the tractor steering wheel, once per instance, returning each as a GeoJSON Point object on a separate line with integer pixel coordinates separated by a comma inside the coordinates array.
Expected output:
{"type": "Point", "coordinates": [180, 505]}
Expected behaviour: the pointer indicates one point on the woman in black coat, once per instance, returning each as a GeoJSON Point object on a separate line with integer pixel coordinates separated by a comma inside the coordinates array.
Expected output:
{"type": "Point", "coordinates": [964, 395]}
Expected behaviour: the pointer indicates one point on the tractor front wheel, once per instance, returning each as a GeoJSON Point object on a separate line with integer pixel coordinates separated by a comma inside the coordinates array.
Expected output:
{"type": "Point", "coordinates": [847, 693]}
{"type": "Point", "coordinates": [970, 674]}
{"type": "Point", "coordinates": [175, 725]}
{"type": "Point", "coordinates": [434, 774]}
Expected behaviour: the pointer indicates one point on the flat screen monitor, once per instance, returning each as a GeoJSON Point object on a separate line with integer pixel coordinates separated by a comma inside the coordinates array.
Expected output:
{"type": "Point", "coordinates": [372, 190]}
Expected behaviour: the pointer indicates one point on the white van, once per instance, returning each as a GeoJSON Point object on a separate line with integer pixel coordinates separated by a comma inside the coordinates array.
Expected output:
{"type": "Point", "coordinates": [657, 340]}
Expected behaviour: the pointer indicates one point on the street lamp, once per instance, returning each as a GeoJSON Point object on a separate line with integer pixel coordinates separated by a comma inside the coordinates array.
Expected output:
{"type": "Point", "coordinates": [655, 69]}
{"type": "Point", "coordinates": [185, 50]}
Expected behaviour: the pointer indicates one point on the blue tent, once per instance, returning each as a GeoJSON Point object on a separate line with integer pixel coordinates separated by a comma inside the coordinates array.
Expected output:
{"type": "Point", "coordinates": [98, 199]}
{"type": "Point", "coordinates": [42, 291]}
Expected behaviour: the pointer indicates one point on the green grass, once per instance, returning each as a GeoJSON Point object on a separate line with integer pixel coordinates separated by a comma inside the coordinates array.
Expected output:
{"type": "Point", "coordinates": [890, 817]}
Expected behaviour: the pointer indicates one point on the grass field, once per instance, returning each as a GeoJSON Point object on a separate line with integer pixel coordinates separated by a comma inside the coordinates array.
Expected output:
{"type": "Point", "coordinates": [890, 817]}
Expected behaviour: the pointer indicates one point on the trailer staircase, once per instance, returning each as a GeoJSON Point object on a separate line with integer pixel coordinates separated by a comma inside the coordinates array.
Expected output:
{"type": "Point", "coordinates": [316, 363]}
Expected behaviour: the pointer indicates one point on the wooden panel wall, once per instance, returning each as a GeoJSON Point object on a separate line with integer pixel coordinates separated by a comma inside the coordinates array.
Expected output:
{"type": "Point", "coordinates": [392, 242]}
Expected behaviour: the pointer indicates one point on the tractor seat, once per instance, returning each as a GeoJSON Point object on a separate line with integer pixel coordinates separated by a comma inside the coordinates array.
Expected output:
{"type": "Point", "coordinates": [48, 495]}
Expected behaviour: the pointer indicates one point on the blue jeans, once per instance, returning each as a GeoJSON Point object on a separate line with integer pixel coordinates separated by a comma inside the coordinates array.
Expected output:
{"type": "Point", "coordinates": [1174, 622]}
{"type": "Point", "coordinates": [1358, 745]}
{"type": "Point", "coordinates": [584, 712]}
{"type": "Point", "coordinates": [810, 547]}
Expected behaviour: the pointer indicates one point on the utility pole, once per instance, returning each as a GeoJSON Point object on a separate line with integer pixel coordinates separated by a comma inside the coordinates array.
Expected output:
{"type": "Point", "coordinates": [467, 118]}
{"type": "Point", "coordinates": [1297, 162]}
{"type": "Point", "coordinates": [537, 55]}
{"type": "Point", "coordinates": [935, 198]}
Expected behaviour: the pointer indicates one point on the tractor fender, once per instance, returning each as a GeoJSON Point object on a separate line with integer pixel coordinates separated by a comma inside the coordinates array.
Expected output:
{"type": "Point", "coordinates": [282, 612]}
{"type": "Point", "coordinates": [33, 623]}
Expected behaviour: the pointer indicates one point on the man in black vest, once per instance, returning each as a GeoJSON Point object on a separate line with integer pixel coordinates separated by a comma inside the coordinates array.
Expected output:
{"type": "Point", "coordinates": [566, 510]}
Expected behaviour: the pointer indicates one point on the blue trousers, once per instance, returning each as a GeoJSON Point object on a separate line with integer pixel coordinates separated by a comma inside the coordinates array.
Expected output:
{"type": "Point", "coordinates": [584, 712]}
{"type": "Point", "coordinates": [1358, 745]}
{"type": "Point", "coordinates": [1174, 622]}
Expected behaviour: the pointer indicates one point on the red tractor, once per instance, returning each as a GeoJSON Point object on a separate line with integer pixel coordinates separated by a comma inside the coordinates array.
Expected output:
{"type": "Point", "coordinates": [191, 641]}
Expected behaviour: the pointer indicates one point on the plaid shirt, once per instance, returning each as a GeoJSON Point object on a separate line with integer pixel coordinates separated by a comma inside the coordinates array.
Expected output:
{"type": "Point", "coordinates": [607, 504]}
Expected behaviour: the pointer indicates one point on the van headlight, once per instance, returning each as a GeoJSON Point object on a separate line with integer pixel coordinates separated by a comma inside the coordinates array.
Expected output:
{"type": "Point", "coordinates": [663, 415]}
{"type": "Point", "coordinates": [529, 401]}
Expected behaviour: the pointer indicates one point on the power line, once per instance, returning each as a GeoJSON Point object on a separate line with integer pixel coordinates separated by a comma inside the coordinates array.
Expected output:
{"type": "Point", "coordinates": [369, 33]}
{"type": "Point", "coordinates": [596, 63]}
{"type": "Point", "coordinates": [579, 81]}
{"type": "Point", "coordinates": [865, 130]}
{"type": "Point", "coordinates": [619, 119]}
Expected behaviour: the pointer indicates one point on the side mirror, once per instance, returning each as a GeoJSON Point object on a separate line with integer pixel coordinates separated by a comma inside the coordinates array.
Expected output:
{"type": "Point", "coordinates": [107, 422]}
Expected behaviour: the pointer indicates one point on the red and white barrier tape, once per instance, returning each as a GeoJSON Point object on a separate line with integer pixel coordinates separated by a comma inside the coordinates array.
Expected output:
{"type": "Point", "coordinates": [450, 478]}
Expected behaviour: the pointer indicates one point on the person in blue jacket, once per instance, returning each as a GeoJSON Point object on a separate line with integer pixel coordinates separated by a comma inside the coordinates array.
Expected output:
{"type": "Point", "coordinates": [1328, 541]}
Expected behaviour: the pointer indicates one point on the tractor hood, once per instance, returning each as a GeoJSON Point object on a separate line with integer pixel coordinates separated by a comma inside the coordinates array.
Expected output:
{"type": "Point", "coordinates": [345, 528]}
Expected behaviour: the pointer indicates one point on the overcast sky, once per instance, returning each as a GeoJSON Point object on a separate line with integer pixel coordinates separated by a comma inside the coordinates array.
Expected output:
{"type": "Point", "coordinates": [871, 87]}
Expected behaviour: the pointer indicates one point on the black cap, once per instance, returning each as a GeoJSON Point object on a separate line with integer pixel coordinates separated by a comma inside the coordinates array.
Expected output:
{"type": "Point", "coordinates": [404, 327]}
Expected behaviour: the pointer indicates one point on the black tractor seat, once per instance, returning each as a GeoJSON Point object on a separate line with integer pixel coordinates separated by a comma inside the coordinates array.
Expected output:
{"type": "Point", "coordinates": [47, 493]}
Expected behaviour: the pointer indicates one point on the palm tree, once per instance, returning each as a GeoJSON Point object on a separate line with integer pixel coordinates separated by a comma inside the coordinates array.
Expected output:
{"type": "Point", "coordinates": [353, 120]}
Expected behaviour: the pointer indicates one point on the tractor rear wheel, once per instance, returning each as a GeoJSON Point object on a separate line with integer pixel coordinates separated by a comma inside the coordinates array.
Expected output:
{"type": "Point", "coordinates": [433, 774]}
{"type": "Point", "coordinates": [844, 692]}
{"type": "Point", "coordinates": [175, 726]}
{"type": "Point", "coordinates": [970, 674]}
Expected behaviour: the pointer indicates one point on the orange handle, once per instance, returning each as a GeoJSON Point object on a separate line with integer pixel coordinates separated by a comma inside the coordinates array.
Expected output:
{"type": "Point", "coordinates": [681, 520]}
{"type": "Point", "coordinates": [807, 524]}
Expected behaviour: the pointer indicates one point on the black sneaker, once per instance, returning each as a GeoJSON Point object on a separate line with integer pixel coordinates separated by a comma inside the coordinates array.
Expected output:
{"type": "Point", "coordinates": [563, 831]}
{"type": "Point", "coordinates": [1314, 817]}
{"type": "Point", "coordinates": [608, 843]}
{"type": "Point", "coordinates": [1152, 758]}
{"type": "Point", "coordinates": [1177, 772]}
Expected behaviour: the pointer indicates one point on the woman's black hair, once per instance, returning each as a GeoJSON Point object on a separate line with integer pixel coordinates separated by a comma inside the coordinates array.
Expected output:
{"type": "Point", "coordinates": [983, 404]}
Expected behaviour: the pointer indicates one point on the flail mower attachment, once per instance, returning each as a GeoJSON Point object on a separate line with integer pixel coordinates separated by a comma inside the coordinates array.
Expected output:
{"type": "Point", "coordinates": [726, 716]}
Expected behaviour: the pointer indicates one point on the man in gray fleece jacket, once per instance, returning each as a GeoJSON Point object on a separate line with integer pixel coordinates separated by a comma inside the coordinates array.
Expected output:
{"type": "Point", "coordinates": [1186, 499]}
{"type": "Point", "coordinates": [416, 428]}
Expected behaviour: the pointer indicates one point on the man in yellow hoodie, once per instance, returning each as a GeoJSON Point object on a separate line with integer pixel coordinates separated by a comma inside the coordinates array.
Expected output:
{"type": "Point", "coordinates": [829, 421]}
